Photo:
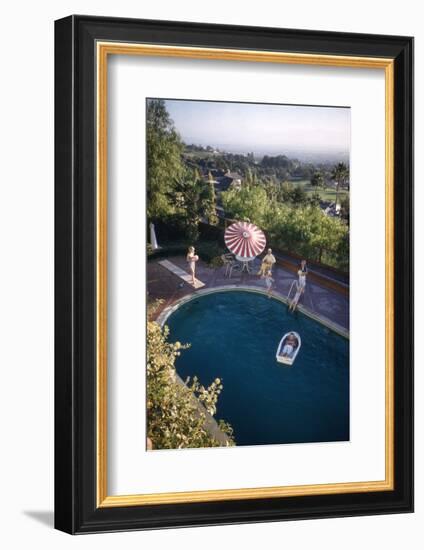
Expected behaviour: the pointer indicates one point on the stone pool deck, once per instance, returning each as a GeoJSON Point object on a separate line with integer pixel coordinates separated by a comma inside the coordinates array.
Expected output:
{"type": "Point", "coordinates": [323, 303]}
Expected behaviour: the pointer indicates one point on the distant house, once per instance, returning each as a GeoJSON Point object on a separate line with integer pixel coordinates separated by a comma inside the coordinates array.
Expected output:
{"type": "Point", "coordinates": [230, 180]}
{"type": "Point", "coordinates": [235, 179]}
{"type": "Point", "coordinates": [324, 204]}
{"type": "Point", "coordinates": [330, 208]}
{"type": "Point", "coordinates": [216, 173]}
{"type": "Point", "coordinates": [223, 184]}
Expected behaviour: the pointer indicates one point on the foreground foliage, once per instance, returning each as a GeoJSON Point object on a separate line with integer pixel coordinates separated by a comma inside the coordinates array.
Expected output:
{"type": "Point", "coordinates": [175, 419]}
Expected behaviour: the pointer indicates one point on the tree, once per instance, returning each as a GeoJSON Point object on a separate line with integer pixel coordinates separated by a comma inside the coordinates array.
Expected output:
{"type": "Point", "coordinates": [298, 195]}
{"type": "Point", "coordinates": [194, 200]}
{"type": "Point", "coordinates": [309, 232]}
{"type": "Point", "coordinates": [164, 161]}
{"type": "Point", "coordinates": [176, 412]}
{"type": "Point", "coordinates": [286, 190]}
{"type": "Point", "coordinates": [317, 180]}
{"type": "Point", "coordinates": [248, 178]}
{"type": "Point", "coordinates": [327, 234]}
{"type": "Point", "coordinates": [315, 199]}
{"type": "Point", "coordinates": [246, 203]}
{"type": "Point", "coordinates": [211, 207]}
{"type": "Point", "coordinates": [340, 175]}
{"type": "Point", "coordinates": [303, 228]}
{"type": "Point", "coordinates": [345, 208]}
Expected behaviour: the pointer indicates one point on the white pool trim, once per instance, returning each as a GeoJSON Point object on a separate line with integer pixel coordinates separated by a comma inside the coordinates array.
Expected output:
{"type": "Point", "coordinates": [168, 311]}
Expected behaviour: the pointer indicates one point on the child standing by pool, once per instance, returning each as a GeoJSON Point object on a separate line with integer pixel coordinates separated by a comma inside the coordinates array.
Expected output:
{"type": "Point", "coordinates": [268, 282]}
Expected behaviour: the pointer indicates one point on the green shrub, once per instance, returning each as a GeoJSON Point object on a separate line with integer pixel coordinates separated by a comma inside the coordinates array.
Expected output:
{"type": "Point", "coordinates": [216, 262]}
{"type": "Point", "coordinates": [169, 249]}
{"type": "Point", "coordinates": [303, 229]}
{"type": "Point", "coordinates": [174, 418]}
{"type": "Point", "coordinates": [207, 250]}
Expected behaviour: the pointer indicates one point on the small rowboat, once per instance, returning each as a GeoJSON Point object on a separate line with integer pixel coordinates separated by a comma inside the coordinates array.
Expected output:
{"type": "Point", "coordinates": [286, 356]}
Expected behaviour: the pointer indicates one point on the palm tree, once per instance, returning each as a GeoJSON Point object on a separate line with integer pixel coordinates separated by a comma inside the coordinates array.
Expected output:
{"type": "Point", "coordinates": [340, 175]}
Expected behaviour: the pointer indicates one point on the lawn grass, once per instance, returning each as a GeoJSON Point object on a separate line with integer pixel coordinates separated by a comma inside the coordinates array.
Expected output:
{"type": "Point", "coordinates": [327, 194]}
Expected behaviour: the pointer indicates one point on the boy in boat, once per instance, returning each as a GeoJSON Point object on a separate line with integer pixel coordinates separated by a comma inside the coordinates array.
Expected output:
{"type": "Point", "coordinates": [289, 345]}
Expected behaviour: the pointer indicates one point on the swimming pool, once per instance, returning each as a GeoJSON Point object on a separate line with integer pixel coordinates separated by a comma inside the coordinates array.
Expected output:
{"type": "Point", "coordinates": [234, 336]}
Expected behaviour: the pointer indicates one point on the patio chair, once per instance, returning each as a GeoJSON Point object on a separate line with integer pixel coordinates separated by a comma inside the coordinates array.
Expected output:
{"type": "Point", "coordinates": [234, 266]}
{"type": "Point", "coordinates": [230, 264]}
{"type": "Point", "coordinates": [227, 260]}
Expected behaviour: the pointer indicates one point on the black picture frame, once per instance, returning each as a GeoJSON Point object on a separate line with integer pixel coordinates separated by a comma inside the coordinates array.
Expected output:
{"type": "Point", "coordinates": [76, 509]}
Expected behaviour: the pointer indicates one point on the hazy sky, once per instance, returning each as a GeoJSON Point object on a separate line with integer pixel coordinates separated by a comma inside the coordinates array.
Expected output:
{"type": "Point", "coordinates": [262, 128]}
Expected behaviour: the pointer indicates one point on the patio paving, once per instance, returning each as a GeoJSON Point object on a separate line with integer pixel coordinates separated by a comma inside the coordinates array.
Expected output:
{"type": "Point", "coordinates": [327, 304]}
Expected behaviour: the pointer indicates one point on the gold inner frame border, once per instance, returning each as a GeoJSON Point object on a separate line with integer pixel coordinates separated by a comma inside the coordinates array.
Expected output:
{"type": "Point", "coordinates": [103, 50]}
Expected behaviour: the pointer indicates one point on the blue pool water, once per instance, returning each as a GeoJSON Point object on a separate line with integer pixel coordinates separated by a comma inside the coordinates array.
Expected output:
{"type": "Point", "coordinates": [234, 336]}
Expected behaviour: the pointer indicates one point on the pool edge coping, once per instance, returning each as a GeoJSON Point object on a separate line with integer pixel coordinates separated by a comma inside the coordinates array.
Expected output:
{"type": "Point", "coordinates": [169, 310]}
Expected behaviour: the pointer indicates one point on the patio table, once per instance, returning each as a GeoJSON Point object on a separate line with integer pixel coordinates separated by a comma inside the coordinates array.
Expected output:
{"type": "Point", "coordinates": [245, 263]}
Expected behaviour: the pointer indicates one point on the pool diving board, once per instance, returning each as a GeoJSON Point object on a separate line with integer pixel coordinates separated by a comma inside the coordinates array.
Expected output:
{"type": "Point", "coordinates": [181, 274]}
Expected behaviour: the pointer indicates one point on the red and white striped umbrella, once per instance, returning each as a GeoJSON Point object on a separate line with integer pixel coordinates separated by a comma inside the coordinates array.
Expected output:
{"type": "Point", "coordinates": [244, 239]}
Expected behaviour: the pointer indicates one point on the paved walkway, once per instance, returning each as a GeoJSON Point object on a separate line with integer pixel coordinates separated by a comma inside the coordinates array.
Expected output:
{"type": "Point", "coordinates": [329, 273]}
{"type": "Point", "coordinates": [178, 272]}
{"type": "Point", "coordinates": [323, 302]}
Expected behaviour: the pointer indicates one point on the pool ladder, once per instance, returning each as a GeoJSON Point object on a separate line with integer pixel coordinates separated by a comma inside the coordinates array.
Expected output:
{"type": "Point", "coordinates": [291, 288]}
{"type": "Point", "coordinates": [296, 295]}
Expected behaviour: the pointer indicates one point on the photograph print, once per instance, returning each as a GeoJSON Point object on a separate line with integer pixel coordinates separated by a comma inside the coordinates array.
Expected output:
{"type": "Point", "coordinates": [247, 273]}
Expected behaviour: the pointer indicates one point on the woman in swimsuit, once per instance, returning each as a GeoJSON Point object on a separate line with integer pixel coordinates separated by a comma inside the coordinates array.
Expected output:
{"type": "Point", "coordinates": [192, 259]}
{"type": "Point", "coordinates": [303, 271]}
